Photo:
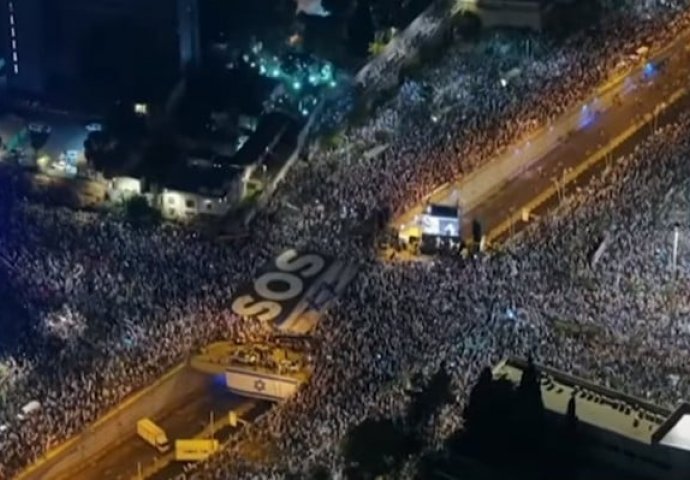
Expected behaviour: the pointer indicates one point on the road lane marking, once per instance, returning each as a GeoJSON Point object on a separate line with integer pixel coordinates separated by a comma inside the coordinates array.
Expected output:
{"type": "Point", "coordinates": [576, 171]}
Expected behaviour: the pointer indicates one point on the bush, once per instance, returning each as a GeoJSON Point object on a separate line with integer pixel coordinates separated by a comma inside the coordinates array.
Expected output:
{"type": "Point", "coordinates": [138, 211]}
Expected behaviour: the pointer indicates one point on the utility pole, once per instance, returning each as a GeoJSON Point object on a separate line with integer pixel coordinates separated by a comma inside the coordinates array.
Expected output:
{"type": "Point", "coordinates": [676, 237]}
{"type": "Point", "coordinates": [558, 189]}
{"type": "Point", "coordinates": [211, 423]}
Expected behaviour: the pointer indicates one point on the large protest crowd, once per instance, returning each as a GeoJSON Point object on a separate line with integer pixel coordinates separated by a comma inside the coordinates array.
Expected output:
{"type": "Point", "coordinates": [102, 308]}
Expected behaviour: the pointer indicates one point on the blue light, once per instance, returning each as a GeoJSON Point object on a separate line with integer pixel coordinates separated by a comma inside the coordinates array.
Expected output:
{"type": "Point", "coordinates": [218, 380]}
{"type": "Point", "coordinates": [587, 117]}
{"type": "Point", "coordinates": [296, 85]}
{"type": "Point", "coordinates": [275, 72]}
{"type": "Point", "coordinates": [649, 69]}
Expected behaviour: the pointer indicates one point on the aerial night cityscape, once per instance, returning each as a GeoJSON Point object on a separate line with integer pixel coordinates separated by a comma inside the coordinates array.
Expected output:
{"type": "Point", "coordinates": [345, 239]}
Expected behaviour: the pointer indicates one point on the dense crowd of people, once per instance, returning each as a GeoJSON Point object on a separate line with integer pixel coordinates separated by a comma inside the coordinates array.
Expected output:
{"type": "Point", "coordinates": [594, 289]}
{"type": "Point", "coordinates": [101, 308]}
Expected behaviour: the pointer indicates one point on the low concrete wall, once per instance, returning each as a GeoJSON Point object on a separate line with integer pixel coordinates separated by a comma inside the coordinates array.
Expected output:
{"type": "Point", "coordinates": [118, 425]}
{"type": "Point", "coordinates": [270, 189]}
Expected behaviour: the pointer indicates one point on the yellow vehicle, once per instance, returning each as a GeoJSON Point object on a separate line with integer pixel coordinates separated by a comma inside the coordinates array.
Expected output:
{"type": "Point", "coordinates": [195, 450]}
{"type": "Point", "coordinates": [153, 435]}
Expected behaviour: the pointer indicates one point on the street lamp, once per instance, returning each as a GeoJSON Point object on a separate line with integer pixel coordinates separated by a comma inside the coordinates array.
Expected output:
{"type": "Point", "coordinates": [558, 188]}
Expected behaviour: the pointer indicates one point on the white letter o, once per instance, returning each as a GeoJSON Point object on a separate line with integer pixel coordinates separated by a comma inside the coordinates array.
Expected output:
{"type": "Point", "coordinates": [294, 283]}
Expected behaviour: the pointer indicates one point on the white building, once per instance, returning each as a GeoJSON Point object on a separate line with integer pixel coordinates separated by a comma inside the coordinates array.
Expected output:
{"type": "Point", "coordinates": [189, 192]}
{"type": "Point", "coordinates": [623, 432]}
{"type": "Point", "coordinates": [208, 183]}
{"type": "Point", "coordinates": [122, 188]}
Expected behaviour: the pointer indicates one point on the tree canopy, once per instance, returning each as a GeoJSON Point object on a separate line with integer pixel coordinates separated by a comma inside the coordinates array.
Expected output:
{"type": "Point", "coordinates": [375, 447]}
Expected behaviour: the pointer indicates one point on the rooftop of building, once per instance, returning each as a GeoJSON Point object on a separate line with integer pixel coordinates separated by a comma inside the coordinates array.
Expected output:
{"type": "Point", "coordinates": [595, 405]}
{"type": "Point", "coordinates": [272, 129]}
{"type": "Point", "coordinates": [675, 431]}
{"type": "Point", "coordinates": [210, 181]}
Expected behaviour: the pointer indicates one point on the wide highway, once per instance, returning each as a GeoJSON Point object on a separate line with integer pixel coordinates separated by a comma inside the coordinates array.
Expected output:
{"type": "Point", "coordinates": [543, 168]}
{"type": "Point", "coordinates": [613, 132]}
{"type": "Point", "coordinates": [123, 461]}
{"type": "Point", "coordinates": [552, 170]}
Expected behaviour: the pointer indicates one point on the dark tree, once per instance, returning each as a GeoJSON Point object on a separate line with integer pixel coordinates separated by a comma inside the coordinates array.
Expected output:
{"type": "Point", "coordinates": [98, 150]}
{"type": "Point", "coordinates": [574, 16]}
{"type": "Point", "coordinates": [488, 418]}
{"type": "Point", "coordinates": [477, 411]}
{"type": "Point", "coordinates": [530, 408]}
{"type": "Point", "coordinates": [374, 448]}
{"type": "Point", "coordinates": [139, 212]}
{"type": "Point", "coordinates": [361, 29]}
{"type": "Point", "coordinates": [338, 7]}
{"type": "Point", "coordinates": [468, 26]}
{"type": "Point", "coordinates": [38, 138]}
{"type": "Point", "coordinates": [530, 389]}
{"type": "Point", "coordinates": [320, 473]}
{"type": "Point", "coordinates": [570, 416]}
{"type": "Point", "coordinates": [567, 454]}
{"type": "Point", "coordinates": [124, 125]}
{"type": "Point", "coordinates": [430, 399]}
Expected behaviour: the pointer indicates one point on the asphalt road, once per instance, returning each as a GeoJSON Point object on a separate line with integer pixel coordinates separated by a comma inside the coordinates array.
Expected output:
{"type": "Point", "coordinates": [176, 468]}
{"type": "Point", "coordinates": [122, 462]}
{"type": "Point", "coordinates": [640, 94]}
{"type": "Point", "coordinates": [551, 170]}
{"type": "Point", "coordinates": [188, 420]}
